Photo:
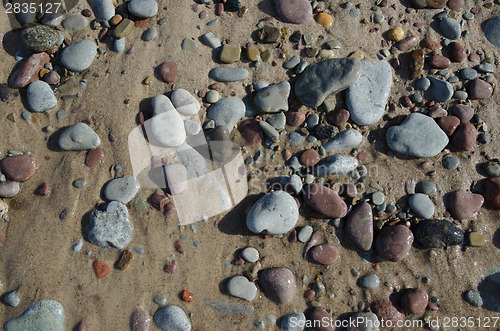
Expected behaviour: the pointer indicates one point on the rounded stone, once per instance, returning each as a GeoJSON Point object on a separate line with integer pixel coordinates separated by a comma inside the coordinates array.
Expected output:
{"type": "Point", "coordinates": [172, 318]}
{"type": "Point", "coordinates": [94, 156]}
{"type": "Point", "coordinates": [437, 233]}
{"type": "Point", "coordinates": [439, 62]}
{"type": "Point", "coordinates": [168, 72]}
{"type": "Point", "coordinates": [396, 34]}
{"type": "Point", "coordinates": [109, 226]}
{"type": "Point", "coordinates": [140, 320]}
{"type": "Point", "coordinates": [317, 316]}
{"type": "Point", "coordinates": [278, 284]}
{"type": "Point", "coordinates": [121, 189]}
{"type": "Point", "coordinates": [309, 157]}
{"type": "Point", "coordinates": [225, 74]}
{"type": "Point", "coordinates": [149, 34]}
{"type": "Point", "coordinates": [465, 137]}
{"type": "Point", "coordinates": [78, 137]}
{"type": "Point", "coordinates": [324, 200]}
{"type": "Point", "coordinates": [42, 315]}
{"type": "Point", "coordinates": [479, 89]}
{"type": "Point", "coordinates": [385, 310]}
{"type": "Point", "coordinates": [276, 213]}
{"type": "Point", "coordinates": [448, 124]}
{"type": "Point", "coordinates": [9, 189]}
{"type": "Point", "coordinates": [450, 28]}
{"type": "Point", "coordinates": [40, 38]}
{"type": "Point", "coordinates": [242, 288]}
{"type": "Point", "coordinates": [79, 56]}
{"type": "Point", "coordinates": [492, 31]}
{"type": "Point", "coordinates": [426, 187]}
{"type": "Point", "coordinates": [369, 281]}
{"type": "Point", "coordinates": [393, 243]}
{"type": "Point", "coordinates": [324, 254]}
{"type": "Point", "coordinates": [414, 301]}
{"type": "Point", "coordinates": [250, 254]}
{"type": "Point", "coordinates": [74, 23]}
{"type": "Point", "coordinates": [227, 112]}
{"type": "Point", "coordinates": [450, 162]}
{"type": "Point", "coordinates": [143, 8]}
{"type": "Point", "coordinates": [474, 298]}
{"type": "Point", "coordinates": [457, 52]}
{"type": "Point", "coordinates": [422, 205]}
{"type": "Point", "coordinates": [293, 322]}
{"type": "Point", "coordinates": [463, 205]}
{"type": "Point", "coordinates": [40, 96]}
{"type": "Point", "coordinates": [19, 168]}
{"type": "Point", "coordinates": [491, 193]}
{"type": "Point", "coordinates": [184, 102]}
{"type": "Point", "coordinates": [359, 226]}
{"type": "Point", "coordinates": [294, 11]}
{"type": "Point", "coordinates": [364, 321]}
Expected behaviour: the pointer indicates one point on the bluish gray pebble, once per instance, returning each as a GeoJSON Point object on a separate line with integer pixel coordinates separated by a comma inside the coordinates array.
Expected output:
{"type": "Point", "coordinates": [211, 40]}
{"type": "Point", "coordinates": [78, 137]}
{"type": "Point", "coordinates": [369, 281]}
{"type": "Point", "coordinates": [295, 138]}
{"type": "Point", "coordinates": [426, 187]}
{"type": "Point", "coordinates": [492, 30]}
{"type": "Point", "coordinates": [121, 189]}
{"type": "Point", "coordinates": [74, 23]}
{"type": "Point", "coordinates": [149, 34]}
{"type": "Point", "coordinates": [468, 73]}
{"type": "Point", "coordinates": [450, 162]}
{"type": "Point", "coordinates": [293, 322]}
{"type": "Point", "coordinates": [42, 315]}
{"type": "Point", "coordinates": [109, 226]}
{"type": "Point", "coordinates": [422, 205]}
{"type": "Point", "coordinates": [79, 56]}
{"type": "Point", "coordinates": [103, 9]}
{"type": "Point", "coordinates": [40, 96]}
{"type": "Point", "coordinates": [143, 8]}
{"type": "Point", "coordinates": [172, 318]}
{"type": "Point", "coordinates": [305, 233]}
{"type": "Point", "coordinates": [474, 298]}
{"type": "Point", "coordinates": [423, 84]}
{"type": "Point", "coordinates": [226, 74]}
{"type": "Point", "coordinates": [292, 63]}
{"type": "Point", "coordinates": [450, 28]}
{"type": "Point", "coordinates": [119, 45]}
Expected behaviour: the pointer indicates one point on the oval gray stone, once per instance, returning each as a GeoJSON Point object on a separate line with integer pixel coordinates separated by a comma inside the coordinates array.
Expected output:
{"type": "Point", "coordinates": [440, 90]}
{"type": "Point", "coordinates": [450, 28]}
{"type": "Point", "coordinates": [325, 78]}
{"type": "Point", "coordinates": [42, 315]}
{"type": "Point", "coordinates": [9, 189]}
{"type": "Point", "coordinates": [52, 20]}
{"type": "Point", "coordinates": [184, 102]}
{"type": "Point", "coordinates": [143, 8]}
{"type": "Point", "coordinates": [367, 97]}
{"type": "Point", "coordinates": [336, 164]}
{"type": "Point", "coordinates": [293, 322]}
{"type": "Point", "coordinates": [276, 212]}
{"type": "Point", "coordinates": [79, 56]}
{"type": "Point", "coordinates": [149, 34]}
{"type": "Point", "coordinates": [224, 74]}
{"type": "Point", "coordinates": [346, 139]}
{"type": "Point", "coordinates": [119, 45]}
{"type": "Point", "coordinates": [103, 9]}
{"type": "Point", "coordinates": [78, 137]}
{"type": "Point", "coordinates": [242, 288]}
{"type": "Point", "coordinates": [74, 23]}
{"type": "Point", "coordinates": [109, 226]}
{"type": "Point", "coordinates": [121, 189]}
{"type": "Point", "coordinates": [422, 205]}
{"type": "Point", "coordinates": [419, 135]}
{"type": "Point", "coordinates": [40, 96]}
{"type": "Point", "coordinates": [211, 40]}
{"type": "Point", "coordinates": [492, 31]}
{"type": "Point", "coordinates": [227, 112]}
{"type": "Point", "coordinates": [369, 281]}
{"type": "Point", "coordinates": [250, 254]}
{"type": "Point", "coordinates": [172, 318]}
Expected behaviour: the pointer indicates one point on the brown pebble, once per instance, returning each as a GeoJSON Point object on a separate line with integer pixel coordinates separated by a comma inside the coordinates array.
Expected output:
{"type": "Point", "coordinates": [474, 57]}
{"type": "Point", "coordinates": [479, 89]}
{"type": "Point", "coordinates": [94, 156]}
{"type": "Point", "coordinates": [140, 320]}
{"type": "Point", "coordinates": [158, 201]}
{"type": "Point", "coordinates": [82, 326]}
{"type": "Point", "coordinates": [115, 20]}
{"type": "Point", "coordinates": [448, 124]}
{"type": "Point", "coordinates": [414, 301]}
{"type": "Point", "coordinates": [393, 242]}
{"type": "Point", "coordinates": [87, 12]}
{"type": "Point", "coordinates": [295, 118]}
{"type": "Point", "coordinates": [287, 155]}
{"type": "Point", "coordinates": [475, 10]}
{"type": "Point", "coordinates": [317, 316]}
{"type": "Point", "coordinates": [385, 310]}
{"type": "Point", "coordinates": [462, 205]}
{"type": "Point", "coordinates": [52, 77]}
{"type": "Point", "coordinates": [338, 117]}
{"type": "Point", "coordinates": [359, 226]}
{"type": "Point", "coordinates": [169, 209]}
{"type": "Point", "coordinates": [463, 112]}
{"type": "Point", "coordinates": [19, 168]}
{"type": "Point", "coordinates": [179, 246]}
{"type": "Point", "coordinates": [324, 254]}
{"type": "Point", "coordinates": [456, 5]}
{"type": "Point", "coordinates": [81, 107]}
{"type": "Point", "coordinates": [219, 9]}
{"type": "Point", "coordinates": [432, 306]}
{"type": "Point", "coordinates": [324, 200]}
{"type": "Point", "coordinates": [141, 24]}
{"type": "Point", "coordinates": [103, 33]}
{"type": "Point", "coordinates": [491, 193]}
{"type": "Point", "coordinates": [292, 235]}
{"type": "Point", "coordinates": [203, 15]}
{"type": "Point", "coordinates": [170, 268]}
{"type": "Point", "coordinates": [457, 52]}
{"type": "Point", "coordinates": [251, 132]}
{"type": "Point", "coordinates": [278, 284]}
{"type": "Point", "coordinates": [439, 62]}
{"type": "Point", "coordinates": [27, 72]}
{"type": "Point", "coordinates": [310, 157]}
{"type": "Point", "coordinates": [406, 102]}
{"type": "Point", "coordinates": [309, 294]}
{"type": "Point", "coordinates": [406, 43]}
{"type": "Point", "coordinates": [125, 260]}
{"type": "Point", "coordinates": [43, 189]}
{"type": "Point", "coordinates": [168, 72]}
{"type": "Point", "coordinates": [465, 137]}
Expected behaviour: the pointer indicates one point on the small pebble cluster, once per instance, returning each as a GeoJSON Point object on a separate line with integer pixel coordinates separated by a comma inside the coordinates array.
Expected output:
{"type": "Point", "coordinates": [314, 130]}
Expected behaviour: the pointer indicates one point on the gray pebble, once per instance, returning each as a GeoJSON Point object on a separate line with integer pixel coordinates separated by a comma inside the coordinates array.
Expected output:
{"type": "Point", "coordinates": [188, 45]}
{"type": "Point", "coordinates": [12, 299]}
{"type": "Point", "coordinates": [259, 325]}
{"type": "Point", "coordinates": [40, 96]}
{"type": "Point", "coordinates": [226, 74]}
{"type": "Point", "coordinates": [80, 183]}
{"type": "Point", "coordinates": [336, 164]}
{"type": "Point", "coordinates": [292, 63]}
{"type": "Point", "coordinates": [474, 298]}
{"type": "Point", "coordinates": [227, 111]}
{"type": "Point", "coordinates": [103, 9]}
{"type": "Point", "coordinates": [378, 18]}
{"type": "Point", "coordinates": [450, 162]}
{"type": "Point", "coordinates": [312, 120]}
{"type": "Point", "coordinates": [52, 20]}
{"type": "Point", "coordinates": [453, 79]}
{"type": "Point", "coordinates": [485, 67]}
{"type": "Point", "coordinates": [468, 73]}
{"type": "Point", "coordinates": [211, 40]}
{"type": "Point", "coordinates": [423, 84]}
{"type": "Point", "coordinates": [74, 23]}
{"type": "Point", "coordinates": [42, 315]}
{"type": "Point", "coordinates": [172, 318]}
{"type": "Point", "coordinates": [109, 226]}
{"type": "Point", "coordinates": [77, 247]}
{"type": "Point", "coordinates": [160, 299]}
{"type": "Point", "coordinates": [26, 115]}
{"type": "Point", "coordinates": [295, 138]}
{"type": "Point", "coordinates": [426, 187]}
{"type": "Point", "coordinates": [468, 16]}
{"type": "Point", "coordinates": [250, 254]}
{"type": "Point", "coordinates": [295, 183]}
{"type": "Point", "coordinates": [121, 189]}
{"type": "Point", "coordinates": [292, 322]}
{"type": "Point", "coordinates": [450, 28]}
{"type": "Point", "coordinates": [143, 8]}
{"type": "Point", "coordinates": [277, 120]}
{"type": "Point", "coordinates": [119, 45]}
{"type": "Point", "coordinates": [460, 95]}
{"type": "Point", "coordinates": [241, 287]}
{"type": "Point", "coordinates": [346, 139]}
{"type": "Point", "coordinates": [369, 281]}
{"type": "Point", "coordinates": [79, 56]}
{"type": "Point", "coordinates": [78, 137]}
{"type": "Point", "coordinates": [301, 67]}
{"type": "Point", "coordinates": [212, 96]}
{"type": "Point", "coordinates": [422, 205]}
{"type": "Point", "coordinates": [149, 34]}
{"type": "Point", "coordinates": [378, 198]}
{"type": "Point", "coordinates": [305, 234]}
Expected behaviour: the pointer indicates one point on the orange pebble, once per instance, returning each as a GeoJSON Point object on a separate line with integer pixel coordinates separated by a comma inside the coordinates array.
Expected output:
{"type": "Point", "coordinates": [186, 296]}
{"type": "Point", "coordinates": [101, 269]}
{"type": "Point", "coordinates": [324, 20]}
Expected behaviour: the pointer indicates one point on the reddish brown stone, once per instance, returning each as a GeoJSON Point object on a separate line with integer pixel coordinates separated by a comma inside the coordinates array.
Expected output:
{"type": "Point", "coordinates": [309, 294]}
{"type": "Point", "coordinates": [295, 118]}
{"type": "Point", "coordinates": [115, 19]}
{"type": "Point", "coordinates": [170, 268]}
{"type": "Point", "coordinates": [448, 124]}
{"type": "Point", "coordinates": [94, 156]}
{"type": "Point", "coordinates": [406, 102]}
{"type": "Point", "coordinates": [463, 112]}
{"type": "Point", "coordinates": [479, 89]}
{"type": "Point", "coordinates": [338, 117]}
{"type": "Point", "coordinates": [278, 284]}
{"type": "Point", "coordinates": [87, 12]}
{"type": "Point", "coordinates": [457, 52]}
{"type": "Point", "coordinates": [19, 168]}
{"type": "Point", "coordinates": [82, 326]}
{"type": "Point", "coordinates": [385, 310]}
{"type": "Point", "coordinates": [462, 205]}
{"type": "Point", "coordinates": [43, 189]}
{"type": "Point", "coordinates": [359, 226]}
{"type": "Point", "coordinates": [414, 301]}
{"type": "Point", "coordinates": [406, 43]}
{"type": "Point", "coordinates": [141, 24]}
{"type": "Point", "coordinates": [474, 57]}
{"type": "Point", "coordinates": [287, 155]}
{"type": "Point", "coordinates": [158, 201]}
{"type": "Point", "coordinates": [491, 193]}
{"type": "Point", "coordinates": [219, 9]}
{"type": "Point", "coordinates": [169, 209]}
{"type": "Point", "coordinates": [465, 137]}
{"type": "Point", "coordinates": [439, 62]}
{"type": "Point", "coordinates": [324, 200]}
{"type": "Point", "coordinates": [309, 157]}
{"type": "Point", "coordinates": [52, 77]}
{"type": "Point", "coordinates": [393, 242]}
{"type": "Point", "coordinates": [28, 71]}
{"type": "Point", "coordinates": [124, 261]}
{"type": "Point", "coordinates": [179, 247]}
{"type": "Point", "coordinates": [324, 254]}
{"type": "Point", "coordinates": [251, 132]}
{"type": "Point", "coordinates": [456, 5]}
{"type": "Point", "coordinates": [318, 316]}
{"type": "Point", "coordinates": [168, 72]}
